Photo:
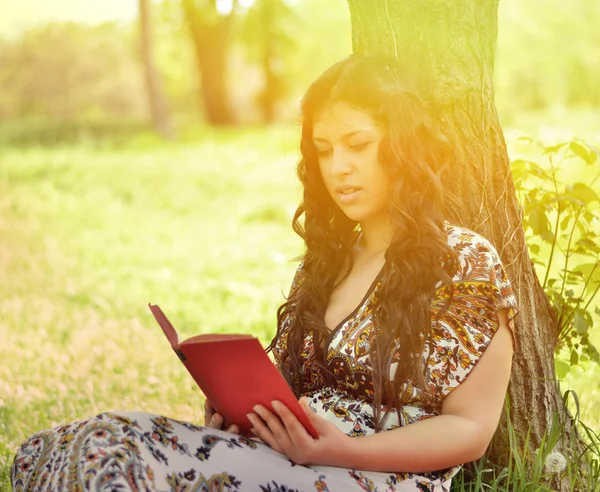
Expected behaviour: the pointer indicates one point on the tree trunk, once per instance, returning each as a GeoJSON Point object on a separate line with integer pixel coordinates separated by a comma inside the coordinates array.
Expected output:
{"type": "Point", "coordinates": [452, 45]}
{"type": "Point", "coordinates": [269, 96]}
{"type": "Point", "coordinates": [158, 108]}
{"type": "Point", "coordinates": [211, 34]}
{"type": "Point", "coordinates": [267, 29]}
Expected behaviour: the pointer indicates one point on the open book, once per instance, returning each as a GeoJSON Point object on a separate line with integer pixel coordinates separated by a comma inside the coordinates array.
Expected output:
{"type": "Point", "coordinates": [234, 373]}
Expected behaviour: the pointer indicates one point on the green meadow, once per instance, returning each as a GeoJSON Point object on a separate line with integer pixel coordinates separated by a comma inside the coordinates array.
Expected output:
{"type": "Point", "coordinates": [89, 235]}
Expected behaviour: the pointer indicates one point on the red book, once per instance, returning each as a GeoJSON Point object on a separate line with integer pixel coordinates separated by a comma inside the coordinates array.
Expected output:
{"type": "Point", "coordinates": [234, 373]}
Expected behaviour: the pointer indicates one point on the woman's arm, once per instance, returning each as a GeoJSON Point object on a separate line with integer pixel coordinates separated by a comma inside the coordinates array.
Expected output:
{"type": "Point", "coordinates": [469, 417]}
{"type": "Point", "coordinates": [463, 431]}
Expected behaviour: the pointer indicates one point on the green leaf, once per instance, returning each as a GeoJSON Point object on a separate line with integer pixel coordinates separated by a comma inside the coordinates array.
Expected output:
{"type": "Point", "coordinates": [547, 236]}
{"type": "Point", "coordinates": [589, 216]}
{"type": "Point", "coordinates": [564, 224]}
{"type": "Point", "coordinates": [574, 359]}
{"type": "Point", "coordinates": [593, 352]}
{"type": "Point", "coordinates": [581, 322]}
{"type": "Point", "coordinates": [526, 168]}
{"type": "Point", "coordinates": [532, 194]}
{"type": "Point", "coordinates": [584, 193]}
{"type": "Point", "coordinates": [591, 275]}
{"type": "Point", "coordinates": [538, 171]}
{"type": "Point", "coordinates": [538, 221]}
{"type": "Point", "coordinates": [587, 154]}
{"type": "Point", "coordinates": [553, 149]}
{"type": "Point", "coordinates": [562, 368]}
{"type": "Point", "coordinates": [518, 166]}
{"type": "Point", "coordinates": [534, 249]}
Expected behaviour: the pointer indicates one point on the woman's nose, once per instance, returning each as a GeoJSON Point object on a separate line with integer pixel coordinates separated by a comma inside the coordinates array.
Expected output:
{"type": "Point", "coordinates": [341, 163]}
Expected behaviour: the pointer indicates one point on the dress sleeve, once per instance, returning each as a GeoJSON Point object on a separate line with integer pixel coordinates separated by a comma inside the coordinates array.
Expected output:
{"type": "Point", "coordinates": [461, 333]}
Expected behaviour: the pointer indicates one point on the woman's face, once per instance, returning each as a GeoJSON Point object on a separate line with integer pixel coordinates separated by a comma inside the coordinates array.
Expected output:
{"type": "Point", "coordinates": [347, 143]}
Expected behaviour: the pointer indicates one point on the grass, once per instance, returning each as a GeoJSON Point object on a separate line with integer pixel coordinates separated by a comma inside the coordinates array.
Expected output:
{"type": "Point", "coordinates": [90, 236]}
{"type": "Point", "coordinates": [538, 470]}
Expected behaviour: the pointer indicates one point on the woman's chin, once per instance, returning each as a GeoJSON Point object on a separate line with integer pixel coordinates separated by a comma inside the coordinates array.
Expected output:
{"type": "Point", "coordinates": [352, 214]}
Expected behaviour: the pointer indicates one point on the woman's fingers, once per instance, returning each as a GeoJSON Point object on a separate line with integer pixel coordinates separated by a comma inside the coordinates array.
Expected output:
{"type": "Point", "coordinates": [216, 421]}
{"type": "Point", "coordinates": [281, 431]}
{"type": "Point", "coordinates": [305, 406]}
{"type": "Point", "coordinates": [209, 412]}
{"type": "Point", "coordinates": [273, 422]}
{"type": "Point", "coordinates": [261, 430]}
{"type": "Point", "coordinates": [295, 430]}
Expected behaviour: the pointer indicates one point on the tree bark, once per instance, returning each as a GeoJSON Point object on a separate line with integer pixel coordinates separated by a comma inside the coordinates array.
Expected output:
{"type": "Point", "coordinates": [211, 35]}
{"type": "Point", "coordinates": [451, 46]}
{"type": "Point", "coordinates": [158, 107]}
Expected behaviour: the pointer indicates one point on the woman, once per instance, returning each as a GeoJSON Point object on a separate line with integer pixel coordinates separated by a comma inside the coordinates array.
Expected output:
{"type": "Point", "coordinates": [395, 333]}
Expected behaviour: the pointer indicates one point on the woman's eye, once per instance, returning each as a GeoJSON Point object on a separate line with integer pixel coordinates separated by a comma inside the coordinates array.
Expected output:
{"type": "Point", "coordinates": [323, 152]}
{"type": "Point", "coordinates": [359, 146]}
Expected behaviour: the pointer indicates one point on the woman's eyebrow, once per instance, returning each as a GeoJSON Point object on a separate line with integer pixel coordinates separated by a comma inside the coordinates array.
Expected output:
{"type": "Point", "coordinates": [344, 137]}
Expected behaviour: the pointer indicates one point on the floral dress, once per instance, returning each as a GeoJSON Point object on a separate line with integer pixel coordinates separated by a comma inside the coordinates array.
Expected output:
{"type": "Point", "coordinates": [145, 452]}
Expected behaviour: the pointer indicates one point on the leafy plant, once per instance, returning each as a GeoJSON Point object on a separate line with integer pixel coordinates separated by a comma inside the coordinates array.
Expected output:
{"type": "Point", "coordinates": [562, 228]}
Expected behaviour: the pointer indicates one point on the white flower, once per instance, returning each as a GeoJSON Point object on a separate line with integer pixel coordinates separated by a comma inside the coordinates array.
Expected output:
{"type": "Point", "coordinates": [555, 462]}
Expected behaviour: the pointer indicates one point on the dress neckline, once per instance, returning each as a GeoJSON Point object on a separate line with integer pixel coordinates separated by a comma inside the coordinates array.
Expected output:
{"type": "Point", "coordinates": [370, 290]}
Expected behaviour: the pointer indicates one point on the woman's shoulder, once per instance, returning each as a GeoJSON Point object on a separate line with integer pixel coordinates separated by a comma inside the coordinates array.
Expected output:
{"type": "Point", "coordinates": [461, 238]}
{"type": "Point", "coordinates": [466, 313]}
{"type": "Point", "coordinates": [476, 254]}
{"type": "Point", "coordinates": [481, 278]}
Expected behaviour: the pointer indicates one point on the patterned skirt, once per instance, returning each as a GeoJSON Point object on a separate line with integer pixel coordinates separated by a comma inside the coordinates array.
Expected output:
{"type": "Point", "coordinates": [135, 451]}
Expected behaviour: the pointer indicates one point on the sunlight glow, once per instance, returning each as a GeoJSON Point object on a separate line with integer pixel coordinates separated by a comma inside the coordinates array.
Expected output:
{"type": "Point", "coordinates": [224, 6]}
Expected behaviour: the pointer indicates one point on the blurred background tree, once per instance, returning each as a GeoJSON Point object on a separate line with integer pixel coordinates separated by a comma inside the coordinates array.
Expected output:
{"type": "Point", "coordinates": [156, 99]}
{"type": "Point", "coordinates": [224, 61]}
{"type": "Point", "coordinates": [66, 71]}
{"type": "Point", "coordinates": [210, 23]}
{"type": "Point", "coordinates": [268, 35]}
{"type": "Point", "coordinates": [548, 55]}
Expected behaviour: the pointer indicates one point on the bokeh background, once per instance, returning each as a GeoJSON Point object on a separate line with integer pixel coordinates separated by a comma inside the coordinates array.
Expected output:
{"type": "Point", "coordinates": [106, 205]}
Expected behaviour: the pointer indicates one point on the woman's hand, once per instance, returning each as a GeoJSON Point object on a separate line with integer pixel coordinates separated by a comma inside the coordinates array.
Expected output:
{"type": "Point", "coordinates": [285, 434]}
{"type": "Point", "coordinates": [215, 420]}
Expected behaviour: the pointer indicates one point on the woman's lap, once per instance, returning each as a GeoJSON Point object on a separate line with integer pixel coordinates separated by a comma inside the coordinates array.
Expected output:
{"type": "Point", "coordinates": [140, 451]}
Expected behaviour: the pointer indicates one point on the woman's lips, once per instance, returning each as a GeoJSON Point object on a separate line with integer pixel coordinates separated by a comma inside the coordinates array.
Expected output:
{"type": "Point", "coordinates": [348, 194]}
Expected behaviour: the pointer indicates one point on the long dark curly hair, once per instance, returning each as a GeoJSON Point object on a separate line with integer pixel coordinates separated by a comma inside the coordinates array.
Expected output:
{"type": "Point", "coordinates": [414, 152]}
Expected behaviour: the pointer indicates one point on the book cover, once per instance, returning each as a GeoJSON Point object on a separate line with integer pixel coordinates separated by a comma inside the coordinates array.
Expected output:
{"type": "Point", "coordinates": [234, 373]}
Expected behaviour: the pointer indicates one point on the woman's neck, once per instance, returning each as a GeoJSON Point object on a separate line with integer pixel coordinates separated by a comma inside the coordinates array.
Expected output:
{"type": "Point", "coordinates": [376, 235]}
